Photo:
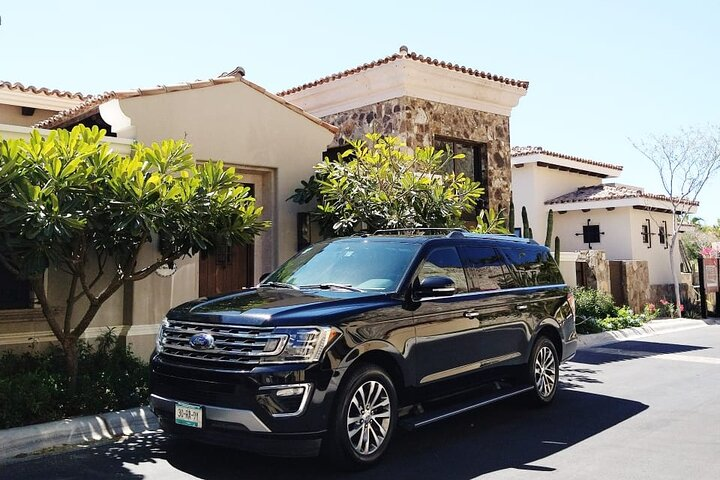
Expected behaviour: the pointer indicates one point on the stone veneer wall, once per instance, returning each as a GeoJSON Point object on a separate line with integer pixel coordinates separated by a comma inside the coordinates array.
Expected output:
{"type": "Point", "coordinates": [636, 283]}
{"type": "Point", "coordinates": [417, 122]}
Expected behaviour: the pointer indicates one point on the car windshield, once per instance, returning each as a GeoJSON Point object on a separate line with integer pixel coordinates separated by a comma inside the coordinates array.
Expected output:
{"type": "Point", "coordinates": [349, 265]}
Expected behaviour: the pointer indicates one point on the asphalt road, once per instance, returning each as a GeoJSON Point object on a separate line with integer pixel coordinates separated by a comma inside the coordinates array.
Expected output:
{"type": "Point", "coordinates": [642, 409]}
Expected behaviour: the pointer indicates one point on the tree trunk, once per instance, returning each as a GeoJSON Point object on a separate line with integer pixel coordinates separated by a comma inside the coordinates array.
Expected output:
{"type": "Point", "coordinates": [676, 282]}
{"type": "Point", "coordinates": [70, 349]}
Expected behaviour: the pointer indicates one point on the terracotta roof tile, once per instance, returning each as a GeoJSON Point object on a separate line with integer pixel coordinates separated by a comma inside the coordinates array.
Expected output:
{"type": "Point", "coordinates": [92, 103]}
{"type": "Point", "coordinates": [610, 191]}
{"type": "Point", "coordinates": [403, 53]}
{"type": "Point", "coordinates": [33, 89]}
{"type": "Point", "coordinates": [522, 151]}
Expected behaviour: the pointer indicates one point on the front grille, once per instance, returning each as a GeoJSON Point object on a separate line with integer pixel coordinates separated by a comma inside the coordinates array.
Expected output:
{"type": "Point", "coordinates": [231, 343]}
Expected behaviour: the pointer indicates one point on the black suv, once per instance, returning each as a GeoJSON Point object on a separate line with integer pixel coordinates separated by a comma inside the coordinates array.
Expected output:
{"type": "Point", "coordinates": [355, 336]}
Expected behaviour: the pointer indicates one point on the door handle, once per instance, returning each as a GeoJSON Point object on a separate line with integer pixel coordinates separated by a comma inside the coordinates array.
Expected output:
{"type": "Point", "coordinates": [521, 307]}
{"type": "Point", "coordinates": [471, 314]}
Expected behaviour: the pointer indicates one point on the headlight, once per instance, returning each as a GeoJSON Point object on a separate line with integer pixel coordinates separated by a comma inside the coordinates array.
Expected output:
{"type": "Point", "coordinates": [304, 344]}
{"type": "Point", "coordinates": [158, 339]}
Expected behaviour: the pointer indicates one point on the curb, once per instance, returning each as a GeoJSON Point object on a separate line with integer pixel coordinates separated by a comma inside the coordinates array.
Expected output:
{"type": "Point", "coordinates": [23, 441]}
{"type": "Point", "coordinates": [654, 327]}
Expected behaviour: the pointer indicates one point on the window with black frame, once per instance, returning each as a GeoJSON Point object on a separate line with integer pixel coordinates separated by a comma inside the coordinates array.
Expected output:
{"type": "Point", "coordinates": [474, 165]}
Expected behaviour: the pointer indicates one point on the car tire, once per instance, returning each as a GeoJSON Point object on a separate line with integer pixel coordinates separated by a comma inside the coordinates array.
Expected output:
{"type": "Point", "coordinates": [364, 419]}
{"type": "Point", "coordinates": [544, 371]}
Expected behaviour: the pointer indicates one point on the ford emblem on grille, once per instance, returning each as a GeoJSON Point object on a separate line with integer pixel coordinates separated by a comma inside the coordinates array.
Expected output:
{"type": "Point", "coordinates": [202, 341]}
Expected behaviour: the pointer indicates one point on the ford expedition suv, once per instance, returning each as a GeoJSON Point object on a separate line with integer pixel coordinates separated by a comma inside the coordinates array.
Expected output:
{"type": "Point", "coordinates": [354, 337]}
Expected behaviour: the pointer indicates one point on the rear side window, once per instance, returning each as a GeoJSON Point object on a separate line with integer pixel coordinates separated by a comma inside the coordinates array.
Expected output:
{"type": "Point", "coordinates": [532, 265]}
{"type": "Point", "coordinates": [485, 268]}
{"type": "Point", "coordinates": [444, 261]}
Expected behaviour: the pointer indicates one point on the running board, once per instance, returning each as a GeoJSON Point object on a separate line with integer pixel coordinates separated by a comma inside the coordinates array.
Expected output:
{"type": "Point", "coordinates": [423, 419]}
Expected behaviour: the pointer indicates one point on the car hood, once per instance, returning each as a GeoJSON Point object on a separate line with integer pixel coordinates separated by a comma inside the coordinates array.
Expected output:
{"type": "Point", "coordinates": [269, 306]}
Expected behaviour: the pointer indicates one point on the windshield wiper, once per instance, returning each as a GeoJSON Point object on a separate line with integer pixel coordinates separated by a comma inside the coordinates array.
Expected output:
{"type": "Point", "coordinates": [279, 285]}
{"type": "Point", "coordinates": [328, 286]}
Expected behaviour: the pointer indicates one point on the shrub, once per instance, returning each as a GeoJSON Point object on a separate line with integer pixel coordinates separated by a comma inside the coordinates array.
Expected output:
{"type": "Point", "coordinates": [591, 306]}
{"type": "Point", "coordinates": [34, 386]}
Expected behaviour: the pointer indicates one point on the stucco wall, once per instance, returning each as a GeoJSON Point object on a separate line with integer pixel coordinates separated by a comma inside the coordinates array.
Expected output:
{"type": "Point", "coordinates": [12, 115]}
{"type": "Point", "coordinates": [533, 185]}
{"type": "Point", "coordinates": [418, 121]}
{"type": "Point", "coordinates": [657, 256]}
{"type": "Point", "coordinates": [273, 146]}
{"type": "Point", "coordinates": [616, 224]}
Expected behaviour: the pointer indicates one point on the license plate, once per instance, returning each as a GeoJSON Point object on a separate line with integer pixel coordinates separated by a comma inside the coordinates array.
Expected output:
{"type": "Point", "coordinates": [188, 415]}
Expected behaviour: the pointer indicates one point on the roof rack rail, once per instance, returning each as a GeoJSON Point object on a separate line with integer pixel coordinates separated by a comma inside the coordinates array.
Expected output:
{"type": "Point", "coordinates": [449, 232]}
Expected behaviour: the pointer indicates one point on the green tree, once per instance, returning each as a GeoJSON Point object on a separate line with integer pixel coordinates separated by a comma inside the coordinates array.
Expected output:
{"type": "Point", "coordinates": [69, 201]}
{"type": "Point", "coordinates": [379, 183]}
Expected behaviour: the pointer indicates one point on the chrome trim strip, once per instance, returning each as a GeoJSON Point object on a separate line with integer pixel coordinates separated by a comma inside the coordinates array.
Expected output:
{"type": "Point", "coordinates": [303, 402]}
{"type": "Point", "coordinates": [245, 418]}
{"type": "Point", "coordinates": [507, 290]}
{"type": "Point", "coordinates": [472, 407]}
{"type": "Point", "coordinates": [221, 325]}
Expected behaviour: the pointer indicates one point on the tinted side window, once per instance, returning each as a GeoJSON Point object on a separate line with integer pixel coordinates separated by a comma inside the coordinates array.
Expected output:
{"type": "Point", "coordinates": [445, 261]}
{"type": "Point", "coordinates": [485, 268]}
{"type": "Point", "coordinates": [533, 266]}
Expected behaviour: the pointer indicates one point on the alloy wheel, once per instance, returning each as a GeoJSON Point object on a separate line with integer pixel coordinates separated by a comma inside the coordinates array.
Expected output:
{"type": "Point", "coordinates": [545, 371]}
{"type": "Point", "coordinates": [368, 417]}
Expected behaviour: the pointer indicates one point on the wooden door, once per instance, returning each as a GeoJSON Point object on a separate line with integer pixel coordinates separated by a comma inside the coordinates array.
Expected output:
{"type": "Point", "coordinates": [226, 269]}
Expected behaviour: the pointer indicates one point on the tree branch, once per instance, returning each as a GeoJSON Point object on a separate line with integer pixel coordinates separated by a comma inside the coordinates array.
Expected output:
{"type": "Point", "coordinates": [38, 286]}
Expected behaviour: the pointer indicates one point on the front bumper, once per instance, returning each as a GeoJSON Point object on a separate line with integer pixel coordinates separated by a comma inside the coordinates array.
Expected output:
{"type": "Point", "coordinates": [242, 409]}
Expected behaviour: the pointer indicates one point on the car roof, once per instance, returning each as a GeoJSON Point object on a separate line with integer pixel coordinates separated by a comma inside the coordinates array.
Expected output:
{"type": "Point", "coordinates": [422, 236]}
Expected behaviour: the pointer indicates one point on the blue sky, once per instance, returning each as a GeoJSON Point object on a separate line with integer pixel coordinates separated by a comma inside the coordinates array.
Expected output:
{"type": "Point", "coordinates": [600, 72]}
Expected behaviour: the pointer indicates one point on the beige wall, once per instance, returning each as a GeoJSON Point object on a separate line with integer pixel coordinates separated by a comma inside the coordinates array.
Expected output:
{"type": "Point", "coordinates": [273, 146]}
{"type": "Point", "coordinates": [12, 115]}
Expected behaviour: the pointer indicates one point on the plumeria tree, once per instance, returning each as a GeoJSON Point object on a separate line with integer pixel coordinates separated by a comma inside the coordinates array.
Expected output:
{"type": "Point", "coordinates": [379, 183]}
{"type": "Point", "coordinates": [70, 202]}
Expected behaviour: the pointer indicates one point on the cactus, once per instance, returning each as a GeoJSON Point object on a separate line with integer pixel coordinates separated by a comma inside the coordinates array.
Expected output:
{"type": "Point", "coordinates": [511, 218]}
{"type": "Point", "coordinates": [548, 233]}
{"type": "Point", "coordinates": [557, 250]}
{"type": "Point", "coordinates": [526, 224]}
{"type": "Point", "coordinates": [530, 234]}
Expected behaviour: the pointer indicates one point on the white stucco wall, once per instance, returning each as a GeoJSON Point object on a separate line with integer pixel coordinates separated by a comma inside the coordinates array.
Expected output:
{"type": "Point", "coordinates": [533, 185]}
{"type": "Point", "coordinates": [616, 224]}
{"type": "Point", "coordinates": [657, 256]}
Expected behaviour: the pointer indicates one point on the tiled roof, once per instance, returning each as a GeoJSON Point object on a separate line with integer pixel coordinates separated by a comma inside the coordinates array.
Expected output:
{"type": "Point", "coordinates": [610, 191]}
{"type": "Point", "coordinates": [522, 151]}
{"type": "Point", "coordinates": [33, 89]}
{"type": "Point", "coordinates": [403, 53]}
{"type": "Point", "coordinates": [89, 106]}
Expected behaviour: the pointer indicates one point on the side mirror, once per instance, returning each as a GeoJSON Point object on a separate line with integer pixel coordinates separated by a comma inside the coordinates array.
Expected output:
{"type": "Point", "coordinates": [436, 286]}
{"type": "Point", "coordinates": [263, 277]}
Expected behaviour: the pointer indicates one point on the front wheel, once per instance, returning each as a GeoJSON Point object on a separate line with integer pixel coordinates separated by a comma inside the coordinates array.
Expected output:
{"type": "Point", "coordinates": [544, 371]}
{"type": "Point", "coordinates": [364, 420]}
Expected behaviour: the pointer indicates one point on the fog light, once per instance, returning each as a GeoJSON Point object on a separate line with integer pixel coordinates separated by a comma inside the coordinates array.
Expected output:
{"type": "Point", "coordinates": [290, 392]}
{"type": "Point", "coordinates": [285, 400]}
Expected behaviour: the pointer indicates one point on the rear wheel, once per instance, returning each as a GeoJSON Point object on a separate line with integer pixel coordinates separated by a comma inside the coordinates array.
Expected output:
{"type": "Point", "coordinates": [364, 420]}
{"type": "Point", "coordinates": [544, 371]}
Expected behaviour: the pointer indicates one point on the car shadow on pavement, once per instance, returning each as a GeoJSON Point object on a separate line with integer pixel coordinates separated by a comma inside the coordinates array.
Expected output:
{"type": "Point", "coordinates": [629, 350]}
{"type": "Point", "coordinates": [507, 435]}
